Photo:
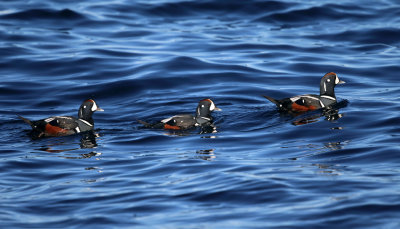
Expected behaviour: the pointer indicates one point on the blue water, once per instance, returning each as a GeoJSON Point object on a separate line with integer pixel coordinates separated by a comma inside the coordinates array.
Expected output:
{"type": "Point", "coordinates": [152, 59]}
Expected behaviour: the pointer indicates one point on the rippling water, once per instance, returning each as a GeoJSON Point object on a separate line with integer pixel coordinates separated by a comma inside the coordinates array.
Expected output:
{"type": "Point", "coordinates": [152, 59]}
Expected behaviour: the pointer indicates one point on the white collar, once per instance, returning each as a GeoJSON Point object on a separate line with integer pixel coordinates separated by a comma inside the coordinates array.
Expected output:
{"type": "Point", "coordinates": [86, 122]}
{"type": "Point", "coordinates": [328, 97]}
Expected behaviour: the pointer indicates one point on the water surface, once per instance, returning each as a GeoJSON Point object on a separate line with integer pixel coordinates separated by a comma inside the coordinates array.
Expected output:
{"type": "Point", "coordinates": [153, 59]}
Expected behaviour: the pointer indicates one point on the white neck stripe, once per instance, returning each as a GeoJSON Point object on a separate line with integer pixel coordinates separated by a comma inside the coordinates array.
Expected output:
{"type": "Point", "coordinates": [204, 118]}
{"type": "Point", "coordinates": [328, 97]}
{"type": "Point", "coordinates": [86, 122]}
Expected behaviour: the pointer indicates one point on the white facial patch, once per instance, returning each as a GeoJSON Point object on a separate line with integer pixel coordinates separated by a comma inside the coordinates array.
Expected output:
{"type": "Point", "coordinates": [329, 80]}
{"type": "Point", "coordinates": [212, 107]}
{"type": "Point", "coordinates": [337, 80]}
{"type": "Point", "coordinates": [94, 107]}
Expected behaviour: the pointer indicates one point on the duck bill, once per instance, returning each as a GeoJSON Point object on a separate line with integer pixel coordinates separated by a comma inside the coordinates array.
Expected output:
{"type": "Point", "coordinates": [217, 109]}
{"type": "Point", "coordinates": [341, 82]}
{"type": "Point", "coordinates": [99, 109]}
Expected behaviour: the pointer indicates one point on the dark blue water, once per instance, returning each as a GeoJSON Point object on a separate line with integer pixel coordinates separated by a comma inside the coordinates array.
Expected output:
{"type": "Point", "coordinates": [153, 59]}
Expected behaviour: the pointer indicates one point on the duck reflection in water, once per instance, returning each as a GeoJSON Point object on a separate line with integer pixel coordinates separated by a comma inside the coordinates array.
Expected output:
{"type": "Point", "coordinates": [324, 154]}
{"type": "Point", "coordinates": [87, 141]}
{"type": "Point", "coordinates": [330, 113]}
{"type": "Point", "coordinates": [207, 155]}
{"type": "Point", "coordinates": [207, 129]}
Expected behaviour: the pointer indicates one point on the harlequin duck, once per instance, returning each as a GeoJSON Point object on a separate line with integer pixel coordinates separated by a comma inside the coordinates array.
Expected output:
{"type": "Point", "coordinates": [65, 125]}
{"type": "Point", "coordinates": [309, 102]}
{"type": "Point", "coordinates": [185, 121]}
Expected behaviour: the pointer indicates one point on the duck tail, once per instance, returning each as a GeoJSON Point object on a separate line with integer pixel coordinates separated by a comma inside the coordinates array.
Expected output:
{"type": "Point", "coordinates": [276, 102]}
{"type": "Point", "coordinates": [27, 121]}
{"type": "Point", "coordinates": [145, 124]}
{"type": "Point", "coordinates": [158, 125]}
